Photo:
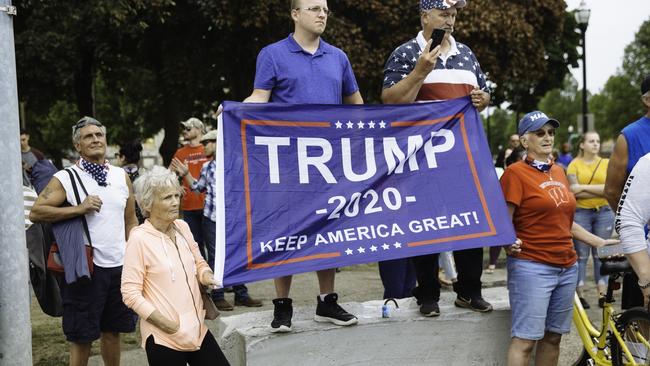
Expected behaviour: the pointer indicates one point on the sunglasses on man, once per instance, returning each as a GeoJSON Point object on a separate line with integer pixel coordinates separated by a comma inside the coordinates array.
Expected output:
{"type": "Point", "coordinates": [86, 121]}
{"type": "Point", "coordinates": [542, 133]}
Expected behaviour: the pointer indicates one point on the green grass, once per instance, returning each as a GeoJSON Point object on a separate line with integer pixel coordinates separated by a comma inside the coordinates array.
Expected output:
{"type": "Point", "coordinates": [49, 347]}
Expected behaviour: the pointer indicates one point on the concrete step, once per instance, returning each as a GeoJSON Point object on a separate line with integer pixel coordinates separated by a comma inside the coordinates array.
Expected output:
{"type": "Point", "coordinates": [457, 337]}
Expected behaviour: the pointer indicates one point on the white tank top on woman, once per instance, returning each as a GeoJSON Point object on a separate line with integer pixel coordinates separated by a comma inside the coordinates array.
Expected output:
{"type": "Point", "coordinates": [106, 227]}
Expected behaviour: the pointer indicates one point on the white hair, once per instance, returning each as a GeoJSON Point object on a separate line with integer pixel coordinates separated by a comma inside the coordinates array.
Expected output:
{"type": "Point", "coordinates": [152, 182]}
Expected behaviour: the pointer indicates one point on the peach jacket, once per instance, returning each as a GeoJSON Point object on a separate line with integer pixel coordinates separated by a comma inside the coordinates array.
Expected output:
{"type": "Point", "coordinates": [159, 275]}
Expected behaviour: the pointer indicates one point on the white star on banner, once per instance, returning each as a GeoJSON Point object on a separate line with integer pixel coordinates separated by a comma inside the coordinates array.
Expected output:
{"type": "Point", "coordinates": [404, 76]}
{"type": "Point", "coordinates": [350, 124]}
{"type": "Point", "coordinates": [414, 59]}
{"type": "Point", "coordinates": [338, 124]}
{"type": "Point", "coordinates": [348, 251]}
{"type": "Point", "coordinates": [403, 54]}
{"type": "Point", "coordinates": [405, 66]}
{"type": "Point", "coordinates": [361, 250]}
{"type": "Point", "coordinates": [371, 124]}
{"type": "Point", "coordinates": [360, 125]}
{"type": "Point", "coordinates": [382, 124]}
{"type": "Point", "coordinates": [385, 246]}
{"type": "Point", "coordinates": [373, 248]}
{"type": "Point", "coordinates": [397, 244]}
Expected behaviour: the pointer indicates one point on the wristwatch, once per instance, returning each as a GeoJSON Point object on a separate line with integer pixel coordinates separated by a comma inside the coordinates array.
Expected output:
{"type": "Point", "coordinates": [643, 287]}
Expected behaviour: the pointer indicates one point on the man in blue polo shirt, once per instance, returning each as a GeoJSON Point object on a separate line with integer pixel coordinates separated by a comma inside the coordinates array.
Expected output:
{"type": "Point", "coordinates": [303, 68]}
{"type": "Point", "coordinates": [421, 71]}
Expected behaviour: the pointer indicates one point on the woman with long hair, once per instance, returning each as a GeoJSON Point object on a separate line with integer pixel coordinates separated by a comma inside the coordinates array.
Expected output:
{"type": "Point", "coordinates": [586, 174]}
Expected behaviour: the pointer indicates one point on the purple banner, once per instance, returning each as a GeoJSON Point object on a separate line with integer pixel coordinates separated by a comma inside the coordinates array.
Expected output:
{"type": "Point", "coordinates": [308, 187]}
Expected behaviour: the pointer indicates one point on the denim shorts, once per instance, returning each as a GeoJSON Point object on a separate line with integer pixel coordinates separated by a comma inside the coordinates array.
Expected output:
{"type": "Point", "coordinates": [541, 298]}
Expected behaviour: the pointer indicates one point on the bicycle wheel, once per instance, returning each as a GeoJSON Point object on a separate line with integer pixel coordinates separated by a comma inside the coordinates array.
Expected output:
{"type": "Point", "coordinates": [584, 360]}
{"type": "Point", "coordinates": [634, 327]}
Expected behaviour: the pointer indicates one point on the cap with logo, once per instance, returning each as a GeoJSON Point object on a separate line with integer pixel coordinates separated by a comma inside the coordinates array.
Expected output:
{"type": "Point", "coordinates": [534, 120]}
{"type": "Point", "coordinates": [193, 122]}
{"type": "Point", "coordinates": [441, 4]}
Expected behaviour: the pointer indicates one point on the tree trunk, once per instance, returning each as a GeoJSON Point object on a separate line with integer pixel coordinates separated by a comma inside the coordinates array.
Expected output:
{"type": "Point", "coordinates": [84, 77]}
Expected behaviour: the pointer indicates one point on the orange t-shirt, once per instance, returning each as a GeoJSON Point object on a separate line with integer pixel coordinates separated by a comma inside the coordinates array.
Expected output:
{"type": "Point", "coordinates": [194, 157]}
{"type": "Point", "coordinates": [544, 213]}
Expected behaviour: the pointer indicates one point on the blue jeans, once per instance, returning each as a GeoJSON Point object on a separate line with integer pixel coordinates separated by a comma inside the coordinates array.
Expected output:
{"type": "Point", "coordinates": [600, 223]}
{"type": "Point", "coordinates": [194, 218]}
{"type": "Point", "coordinates": [541, 298]}
{"type": "Point", "coordinates": [210, 237]}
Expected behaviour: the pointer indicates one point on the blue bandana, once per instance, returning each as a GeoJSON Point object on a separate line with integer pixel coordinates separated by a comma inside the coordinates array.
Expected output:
{"type": "Point", "coordinates": [441, 4]}
{"type": "Point", "coordinates": [97, 171]}
{"type": "Point", "coordinates": [539, 165]}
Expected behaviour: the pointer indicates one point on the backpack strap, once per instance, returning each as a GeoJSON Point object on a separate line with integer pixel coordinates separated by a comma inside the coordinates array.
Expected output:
{"type": "Point", "coordinates": [76, 195]}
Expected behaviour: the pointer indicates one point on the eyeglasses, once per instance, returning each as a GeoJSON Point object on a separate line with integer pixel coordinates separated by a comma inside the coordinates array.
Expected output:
{"type": "Point", "coordinates": [316, 10]}
{"type": "Point", "coordinates": [542, 133]}
{"type": "Point", "coordinates": [85, 122]}
{"type": "Point", "coordinates": [206, 142]}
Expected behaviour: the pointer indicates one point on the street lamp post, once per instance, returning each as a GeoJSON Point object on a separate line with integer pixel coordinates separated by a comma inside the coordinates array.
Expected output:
{"type": "Point", "coordinates": [582, 17]}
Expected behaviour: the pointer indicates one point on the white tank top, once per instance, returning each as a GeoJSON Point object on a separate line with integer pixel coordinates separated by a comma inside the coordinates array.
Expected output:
{"type": "Point", "coordinates": [106, 227]}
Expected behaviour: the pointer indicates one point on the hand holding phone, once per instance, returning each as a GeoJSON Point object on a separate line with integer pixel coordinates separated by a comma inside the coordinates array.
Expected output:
{"type": "Point", "coordinates": [436, 37]}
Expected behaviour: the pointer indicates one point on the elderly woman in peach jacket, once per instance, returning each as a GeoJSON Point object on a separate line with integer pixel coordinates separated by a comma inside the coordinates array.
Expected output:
{"type": "Point", "coordinates": [162, 271]}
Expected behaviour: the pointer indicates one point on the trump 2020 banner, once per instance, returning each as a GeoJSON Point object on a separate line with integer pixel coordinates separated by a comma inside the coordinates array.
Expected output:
{"type": "Point", "coordinates": [308, 187]}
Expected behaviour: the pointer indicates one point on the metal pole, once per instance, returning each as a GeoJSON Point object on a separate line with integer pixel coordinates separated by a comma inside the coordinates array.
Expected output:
{"type": "Point", "coordinates": [583, 28]}
{"type": "Point", "coordinates": [15, 325]}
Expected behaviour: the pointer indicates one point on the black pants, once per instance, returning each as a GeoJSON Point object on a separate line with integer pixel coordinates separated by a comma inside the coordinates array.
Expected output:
{"type": "Point", "coordinates": [469, 265]}
{"type": "Point", "coordinates": [209, 354]}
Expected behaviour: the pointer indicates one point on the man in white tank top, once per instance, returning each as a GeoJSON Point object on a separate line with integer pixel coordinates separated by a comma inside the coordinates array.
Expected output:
{"type": "Point", "coordinates": [94, 309]}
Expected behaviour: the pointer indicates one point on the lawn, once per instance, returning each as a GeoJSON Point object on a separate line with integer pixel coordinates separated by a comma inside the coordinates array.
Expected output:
{"type": "Point", "coordinates": [49, 347]}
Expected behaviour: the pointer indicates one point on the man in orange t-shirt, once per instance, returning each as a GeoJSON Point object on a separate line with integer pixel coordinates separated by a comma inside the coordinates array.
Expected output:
{"type": "Point", "coordinates": [193, 156]}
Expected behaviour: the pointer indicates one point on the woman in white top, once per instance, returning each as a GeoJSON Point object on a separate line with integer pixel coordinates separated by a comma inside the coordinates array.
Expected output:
{"type": "Point", "coordinates": [632, 216]}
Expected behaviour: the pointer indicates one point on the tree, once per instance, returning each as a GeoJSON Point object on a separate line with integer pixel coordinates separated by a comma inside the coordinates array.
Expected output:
{"type": "Point", "coordinates": [144, 65]}
{"type": "Point", "coordinates": [565, 105]}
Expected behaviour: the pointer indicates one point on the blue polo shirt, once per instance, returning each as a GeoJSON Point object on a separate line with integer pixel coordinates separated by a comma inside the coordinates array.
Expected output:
{"type": "Point", "coordinates": [294, 75]}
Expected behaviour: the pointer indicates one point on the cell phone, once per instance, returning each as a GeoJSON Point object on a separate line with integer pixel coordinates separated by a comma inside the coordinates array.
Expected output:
{"type": "Point", "coordinates": [610, 250]}
{"type": "Point", "coordinates": [436, 37]}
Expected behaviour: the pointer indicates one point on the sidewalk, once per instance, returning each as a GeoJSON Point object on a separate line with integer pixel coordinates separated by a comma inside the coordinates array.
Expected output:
{"type": "Point", "coordinates": [354, 284]}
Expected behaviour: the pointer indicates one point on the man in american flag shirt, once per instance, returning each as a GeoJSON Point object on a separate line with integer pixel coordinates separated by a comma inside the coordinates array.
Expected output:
{"type": "Point", "coordinates": [421, 71]}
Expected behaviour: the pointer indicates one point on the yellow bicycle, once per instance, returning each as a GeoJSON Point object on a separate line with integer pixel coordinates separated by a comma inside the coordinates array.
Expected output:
{"type": "Point", "coordinates": [623, 338]}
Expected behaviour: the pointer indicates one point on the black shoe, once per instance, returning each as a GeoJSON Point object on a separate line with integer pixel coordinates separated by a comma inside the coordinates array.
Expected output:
{"type": "Point", "coordinates": [282, 314]}
{"type": "Point", "coordinates": [429, 308]}
{"type": "Point", "coordinates": [330, 311]}
{"type": "Point", "coordinates": [585, 304]}
{"type": "Point", "coordinates": [475, 303]}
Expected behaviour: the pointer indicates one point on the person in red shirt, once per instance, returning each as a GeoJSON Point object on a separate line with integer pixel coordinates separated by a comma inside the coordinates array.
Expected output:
{"type": "Point", "coordinates": [542, 268]}
{"type": "Point", "coordinates": [193, 156]}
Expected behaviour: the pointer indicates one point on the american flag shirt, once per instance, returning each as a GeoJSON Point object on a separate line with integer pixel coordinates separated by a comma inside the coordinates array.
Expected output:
{"type": "Point", "coordinates": [455, 75]}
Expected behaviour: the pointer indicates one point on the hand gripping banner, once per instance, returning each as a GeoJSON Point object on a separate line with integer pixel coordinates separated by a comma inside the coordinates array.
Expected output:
{"type": "Point", "coordinates": [308, 187]}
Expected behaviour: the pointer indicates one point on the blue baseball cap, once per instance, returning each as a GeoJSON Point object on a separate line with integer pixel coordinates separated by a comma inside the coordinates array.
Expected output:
{"type": "Point", "coordinates": [534, 120]}
{"type": "Point", "coordinates": [441, 4]}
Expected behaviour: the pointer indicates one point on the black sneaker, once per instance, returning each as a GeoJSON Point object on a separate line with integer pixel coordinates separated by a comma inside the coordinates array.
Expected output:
{"type": "Point", "coordinates": [282, 314]}
{"type": "Point", "coordinates": [475, 303]}
{"type": "Point", "coordinates": [584, 303]}
{"type": "Point", "coordinates": [429, 308]}
{"type": "Point", "coordinates": [330, 311]}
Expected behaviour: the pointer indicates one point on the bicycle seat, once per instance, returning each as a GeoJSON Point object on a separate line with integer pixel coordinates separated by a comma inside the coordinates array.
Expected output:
{"type": "Point", "coordinates": [615, 265]}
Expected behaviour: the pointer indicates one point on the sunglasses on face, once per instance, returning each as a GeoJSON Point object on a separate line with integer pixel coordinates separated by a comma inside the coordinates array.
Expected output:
{"type": "Point", "coordinates": [206, 142]}
{"type": "Point", "coordinates": [86, 121]}
{"type": "Point", "coordinates": [542, 133]}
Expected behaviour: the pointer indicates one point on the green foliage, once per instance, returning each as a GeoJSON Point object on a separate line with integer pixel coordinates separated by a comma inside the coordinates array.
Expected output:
{"type": "Point", "coordinates": [636, 62]}
{"type": "Point", "coordinates": [502, 124]}
{"type": "Point", "coordinates": [565, 105]}
{"type": "Point", "coordinates": [618, 104]}
{"type": "Point", "coordinates": [140, 66]}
